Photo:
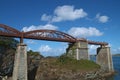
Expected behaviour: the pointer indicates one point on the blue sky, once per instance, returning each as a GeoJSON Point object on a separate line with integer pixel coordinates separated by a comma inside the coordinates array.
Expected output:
{"type": "Point", "coordinates": [92, 19]}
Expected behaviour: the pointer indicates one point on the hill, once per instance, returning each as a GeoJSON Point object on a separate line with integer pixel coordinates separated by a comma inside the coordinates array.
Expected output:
{"type": "Point", "coordinates": [41, 68]}
{"type": "Point", "coordinates": [64, 68]}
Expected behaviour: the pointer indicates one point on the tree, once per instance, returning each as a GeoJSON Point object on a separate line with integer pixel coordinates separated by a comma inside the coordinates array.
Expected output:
{"type": "Point", "coordinates": [8, 42]}
{"type": "Point", "coordinates": [7, 50]}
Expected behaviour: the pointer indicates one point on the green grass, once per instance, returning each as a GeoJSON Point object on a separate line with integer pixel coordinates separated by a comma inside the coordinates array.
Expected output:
{"type": "Point", "coordinates": [73, 64]}
{"type": "Point", "coordinates": [64, 63]}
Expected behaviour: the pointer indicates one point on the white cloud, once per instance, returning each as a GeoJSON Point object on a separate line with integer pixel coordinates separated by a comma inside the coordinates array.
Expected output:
{"type": "Point", "coordinates": [84, 32]}
{"type": "Point", "coordinates": [109, 45]}
{"type": "Point", "coordinates": [102, 19]}
{"type": "Point", "coordinates": [33, 27]}
{"type": "Point", "coordinates": [28, 48]}
{"type": "Point", "coordinates": [30, 42]}
{"type": "Point", "coordinates": [92, 49]}
{"type": "Point", "coordinates": [117, 50]}
{"type": "Point", "coordinates": [63, 13]}
{"type": "Point", "coordinates": [46, 17]}
{"type": "Point", "coordinates": [68, 13]}
{"type": "Point", "coordinates": [47, 50]}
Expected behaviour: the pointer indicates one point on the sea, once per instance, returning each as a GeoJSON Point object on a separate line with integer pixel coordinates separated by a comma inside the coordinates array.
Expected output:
{"type": "Point", "coordinates": [116, 65]}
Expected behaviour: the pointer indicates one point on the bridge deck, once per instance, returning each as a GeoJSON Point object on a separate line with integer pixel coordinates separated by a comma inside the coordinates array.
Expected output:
{"type": "Point", "coordinates": [50, 35]}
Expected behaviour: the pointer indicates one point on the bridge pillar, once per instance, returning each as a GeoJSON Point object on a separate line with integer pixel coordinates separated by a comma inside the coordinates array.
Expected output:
{"type": "Point", "coordinates": [104, 58]}
{"type": "Point", "coordinates": [78, 50]}
{"type": "Point", "coordinates": [20, 63]}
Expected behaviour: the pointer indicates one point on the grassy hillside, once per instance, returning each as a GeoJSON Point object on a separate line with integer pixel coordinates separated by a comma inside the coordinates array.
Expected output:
{"type": "Point", "coordinates": [64, 68]}
{"type": "Point", "coordinates": [73, 64]}
{"type": "Point", "coordinates": [64, 62]}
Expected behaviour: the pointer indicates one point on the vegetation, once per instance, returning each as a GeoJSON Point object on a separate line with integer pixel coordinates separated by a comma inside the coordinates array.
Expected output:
{"type": "Point", "coordinates": [32, 53]}
{"type": "Point", "coordinates": [8, 42]}
{"type": "Point", "coordinates": [47, 65]}
{"type": "Point", "coordinates": [65, 68]}
{"type": "Point", "coordinates": [7, 51]}
{"type": "Point", "coordinates": [73, 64]}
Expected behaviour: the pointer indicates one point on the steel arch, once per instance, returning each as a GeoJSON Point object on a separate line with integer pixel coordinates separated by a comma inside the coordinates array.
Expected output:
{"type": "Point", "coordinates": [51, 35]}
{"type": "Point", "coordinates": [9, 31]}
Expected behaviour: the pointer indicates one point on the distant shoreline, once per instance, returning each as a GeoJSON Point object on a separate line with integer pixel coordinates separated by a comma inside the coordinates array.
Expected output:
{"type": "Point", "coordinates": [112, 54]}
{"type": "Point", "coordinates": [115, 54]}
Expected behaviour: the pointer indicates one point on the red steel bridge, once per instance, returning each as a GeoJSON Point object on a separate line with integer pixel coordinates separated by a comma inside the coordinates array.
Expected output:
{"type": "Point", "coordinates": [43, 34]}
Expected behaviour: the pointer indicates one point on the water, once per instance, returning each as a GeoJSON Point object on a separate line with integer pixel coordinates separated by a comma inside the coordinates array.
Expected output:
{"type": "Point", "coordinates": [116, 64]}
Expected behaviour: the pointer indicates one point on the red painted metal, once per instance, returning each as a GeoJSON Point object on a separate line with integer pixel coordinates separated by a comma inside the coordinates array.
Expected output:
{"type": "Point", "coordinates": [51, 35]}
{"type": "Point", "coordinates": [97, 43]}
{"type": "Point", "coordinates": [9, 31]}
{"type": "Point", "coordinates": [93, 42]}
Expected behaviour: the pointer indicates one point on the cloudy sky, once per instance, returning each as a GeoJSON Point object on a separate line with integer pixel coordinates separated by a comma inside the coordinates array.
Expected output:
{"type": "Point", "coordinates": [96, 20]}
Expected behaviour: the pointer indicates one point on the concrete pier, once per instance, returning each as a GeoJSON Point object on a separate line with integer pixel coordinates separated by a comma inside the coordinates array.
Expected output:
{"type": "Point", "coordinates": [104, 58]}
{"type": "Point", "coordinates": [20, 63]}
{"type": "Point", "coordinates": [78, 50]}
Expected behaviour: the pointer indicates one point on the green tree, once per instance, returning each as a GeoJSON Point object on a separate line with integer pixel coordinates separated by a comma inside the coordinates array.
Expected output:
{"type": "Point", "coordinates": [8, 42]}
{"type": "Point", "coordinates": [33, 53]}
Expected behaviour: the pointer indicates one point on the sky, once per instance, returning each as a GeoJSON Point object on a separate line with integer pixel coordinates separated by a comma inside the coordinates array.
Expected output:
{"type": "Point", "coordinates": [96, 20]}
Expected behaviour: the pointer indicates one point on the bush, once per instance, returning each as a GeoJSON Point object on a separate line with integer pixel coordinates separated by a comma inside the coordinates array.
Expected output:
{"type": "Point", "coordinates": [65, 59]}
{"type": "Point", "coordinates": [70, 63]}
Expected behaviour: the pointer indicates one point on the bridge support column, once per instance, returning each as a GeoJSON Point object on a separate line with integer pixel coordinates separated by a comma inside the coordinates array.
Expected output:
{"type": "Point", "coordinates": [78, 50]}
{"type": "Point", "coordinates": [104, 58]}
{"type": "Point", "coordinates": [20, 63]}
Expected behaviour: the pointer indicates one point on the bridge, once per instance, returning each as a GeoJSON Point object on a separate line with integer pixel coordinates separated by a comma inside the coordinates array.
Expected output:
{"type": "Point", "coordinates": [50, 35]}
{"type": "Point", "coordinates": [78, 46]}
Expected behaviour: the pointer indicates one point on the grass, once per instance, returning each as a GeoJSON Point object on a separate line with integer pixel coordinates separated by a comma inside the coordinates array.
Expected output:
{"type": "Point", "coordinates": [73, 64]}
{"type": "Point", "coordinates": [64, 63]}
